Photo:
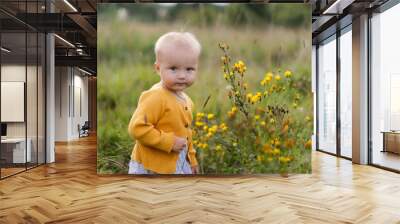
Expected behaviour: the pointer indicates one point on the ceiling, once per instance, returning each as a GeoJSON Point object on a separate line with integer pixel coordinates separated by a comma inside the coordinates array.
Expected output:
{"type": "Point", "coordinates": [74, 22]}
{"type": "Point", "coordinates": [330, 15]}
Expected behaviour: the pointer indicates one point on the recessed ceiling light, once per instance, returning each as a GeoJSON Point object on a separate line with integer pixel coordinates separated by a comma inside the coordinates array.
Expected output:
{"type": "Point", "coordinates": [70, 5]}
{"type": "Point", "coordinates": [64, 40]}
{"type": "Point", "coordinates": [84, 71]}
{"type": "Point", "coordinates": [5, 49]}
{"type": "Point", "coordinates": [338, 6]}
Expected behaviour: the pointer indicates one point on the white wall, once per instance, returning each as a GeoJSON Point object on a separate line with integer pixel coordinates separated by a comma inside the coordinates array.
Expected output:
{"type": "Point", "coordinates": [61, 103]}
{"type": "Point", "coordinates": [12, 73]}
{"type": "Point", "coordinates": [71, 93]}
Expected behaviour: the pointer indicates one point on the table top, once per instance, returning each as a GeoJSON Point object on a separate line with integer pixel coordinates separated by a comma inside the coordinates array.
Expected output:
{"type": "Point", "coordinates": [14, 140]}
{"type": "Point", "coordinates": [391, 132]}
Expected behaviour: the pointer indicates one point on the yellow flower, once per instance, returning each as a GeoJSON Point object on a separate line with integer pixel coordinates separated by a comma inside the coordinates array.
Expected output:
{"type": "Point", "coordinates": [210, 116]}
{"type": "Point", "coordinates": [234, 144]}
{"type": "Point", "coordinates": [267, 148]}
{"type": "Point", "coordinates": [288, 74]}
{"type": "Point", "coordinates": [225, 76]}
{"type": "Point", "coordinates": [218, 147]}
{"type": "Point", "coordinates": [295, 105]}
{"type": "Point", "coordinates": [269, 75]}
{"type": "Point", "coordinates": [199, 115]}
{"type": "Point", "coordinates": [308, 118]}
{"type": "Point", "coordinates": [240, 67]}
{"type": "Point", "coordinates": [205, 128]}
{"type": "Point", "coordinates": [284, 159]}
{"type": "Point", "coordinates": [232, 112]}
{"type": "Point", "coordinates": [213, 129]}
{"type": "Point", "coordinates": [209, 134]}
{"type": "Point", "coordinates": [202, 145]}
{"type": "Point", "coordinates": [256, 117]}
{"type": "Point", "coordinates": [254, 99]}
{"type": "Point", "coordinates": [277, 142]}
{"type": "Point", "coordinates": [260, 158]}
{"type": "Point", "coordinates": [277, 77]}
{"type": "Point", "coordinates": [262, 123]}
{"type": "Point", "coordinates": [223, 127]}
{"type": "Point", "coordinates": [308, 144]}
{"type": "Point", "coordinates": [249, 96]}
{"type": "Point", "coordinates": [199, 123]}
{"type": "Point", "coordinates": [272, 121]}
{"type": "Point", "coordinates": [276, 151]}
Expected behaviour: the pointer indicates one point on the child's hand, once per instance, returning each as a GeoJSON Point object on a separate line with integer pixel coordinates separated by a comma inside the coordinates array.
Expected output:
{"type": "Point", "coordinates": [195, 169]}
{"type": "Point", "coordinates": [179, 144]}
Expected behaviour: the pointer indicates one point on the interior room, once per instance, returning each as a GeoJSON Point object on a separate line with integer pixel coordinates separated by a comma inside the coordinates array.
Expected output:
{"type": "Point", "coordinates": [48, 157]}
{"type": "Point", "coordinates": [22, 102]}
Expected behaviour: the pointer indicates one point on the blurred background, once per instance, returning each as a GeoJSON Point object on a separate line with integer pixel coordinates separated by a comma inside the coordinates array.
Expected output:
{"type": "Point", "coordinates": [267, 37]}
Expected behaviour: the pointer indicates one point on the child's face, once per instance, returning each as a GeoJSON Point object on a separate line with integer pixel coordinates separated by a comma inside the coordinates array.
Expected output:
{"type": "Point", "coordinates": [177, 67]}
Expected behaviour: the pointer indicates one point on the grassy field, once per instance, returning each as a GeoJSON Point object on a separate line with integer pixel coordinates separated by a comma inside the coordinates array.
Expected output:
{"type": "Point", "coordinates": [126, 55]}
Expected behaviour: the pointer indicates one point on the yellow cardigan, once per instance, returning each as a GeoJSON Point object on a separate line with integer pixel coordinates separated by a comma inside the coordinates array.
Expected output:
{"type": "Point", "coordinates": [158, 118]}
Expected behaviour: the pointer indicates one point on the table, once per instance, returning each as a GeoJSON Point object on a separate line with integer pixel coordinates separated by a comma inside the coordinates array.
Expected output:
{"type": "Point", "coordinates": [13, 150]}
{"type": "Point", "coordinates": [391, 141]}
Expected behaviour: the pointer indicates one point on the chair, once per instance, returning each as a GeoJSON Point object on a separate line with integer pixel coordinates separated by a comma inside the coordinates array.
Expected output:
{"type": "Point", "coordinates": [84, 130]}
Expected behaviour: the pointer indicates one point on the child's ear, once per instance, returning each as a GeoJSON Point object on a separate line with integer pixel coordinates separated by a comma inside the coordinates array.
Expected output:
{"type": "Point", "coordinates": [157, 67]}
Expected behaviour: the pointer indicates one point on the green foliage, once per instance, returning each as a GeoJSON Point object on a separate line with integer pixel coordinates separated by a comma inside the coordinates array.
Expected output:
{"type": "Point", "coordinates": [252, 14]}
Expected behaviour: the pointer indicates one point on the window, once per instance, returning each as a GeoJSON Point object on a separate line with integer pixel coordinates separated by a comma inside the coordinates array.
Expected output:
{"type": "Point", "coordinates": [385, 88]}
{"type": "Point", "coordinates": [327, 95]}
{"type": "Point", "coordinates": [346, 92]}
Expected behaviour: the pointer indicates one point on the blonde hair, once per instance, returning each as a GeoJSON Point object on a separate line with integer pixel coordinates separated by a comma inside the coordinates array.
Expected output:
{"type": "Point", "coordinates": [184, 38]}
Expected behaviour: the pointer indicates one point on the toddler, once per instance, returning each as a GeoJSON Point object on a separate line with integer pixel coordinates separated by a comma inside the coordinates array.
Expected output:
{"type": "Point", "coordinates": [162, 121]}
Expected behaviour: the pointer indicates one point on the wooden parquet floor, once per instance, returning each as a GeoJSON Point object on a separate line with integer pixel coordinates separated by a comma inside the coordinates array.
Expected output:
{"type": "Point", "coordinates": [70, 191]}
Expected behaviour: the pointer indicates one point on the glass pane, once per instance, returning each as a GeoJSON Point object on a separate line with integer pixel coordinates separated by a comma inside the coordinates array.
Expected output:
{"type": "Point", "coordinates": [31, 97]}
{"type": "Point", "coordinates": [327, 96]}
{"type": "Point", "coordinates": [13, 86]}
{"type": "Point", "coordinates": [345, 94]}
{"type": "Point", "coordinates": [41, 99]}
{"type": "Point", "coordinates": [385, 89]}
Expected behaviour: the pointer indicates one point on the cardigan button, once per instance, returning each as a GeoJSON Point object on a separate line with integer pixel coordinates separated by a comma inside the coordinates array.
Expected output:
{"type": "Point", "coordinates": [186, 108]}
{"type": "Point", "coordinates": [186, 125]}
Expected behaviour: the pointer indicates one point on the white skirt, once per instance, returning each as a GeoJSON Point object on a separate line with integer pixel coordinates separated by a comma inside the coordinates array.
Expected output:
{"type": "Point", "coordinates": [182, 166]}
